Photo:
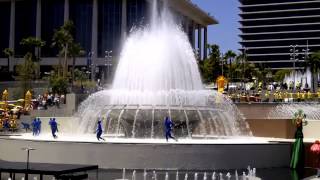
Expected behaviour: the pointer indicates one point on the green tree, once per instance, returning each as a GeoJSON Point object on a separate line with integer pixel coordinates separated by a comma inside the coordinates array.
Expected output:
{"type": "Point", "coordinates": [229, 57]}
{"type": "Point", "coordinates": [25, 73]}
{"type": "Point", "coordinates": [33, 45]}
{"type": "Point", "coordinates": [314, 64]}
{"type": "Point", "coordinates": [58, 84]}
{"type": "Point", "coordinates": [210, 68]}
{"type": "Point", "coordinates": [63, 39]}
{"type": "Point", "coordinates": [262, 72]}
{"type": "Point", "coordinates": [75, 50]}
{"type": "Point", "coordinates": [8, 52]}
{"type": "Point", "coordinates": [243, 69]}
{"type": "Point", "coordinates": [281, 74]}
{"type": "Point", "coordinates": [80, 76]}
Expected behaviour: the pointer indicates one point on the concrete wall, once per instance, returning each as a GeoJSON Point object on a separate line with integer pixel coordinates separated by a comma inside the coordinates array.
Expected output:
{"type": "Point", "coordinates": [312, 130]}
{"type": "Point", "coordinates": [277, 128]}
{"type": "Point", "coordinates": [159, 156]}
{"type": "Point", "coordinates": [256, 110]}
{"type": "Point", "coordinates": [257, 116]}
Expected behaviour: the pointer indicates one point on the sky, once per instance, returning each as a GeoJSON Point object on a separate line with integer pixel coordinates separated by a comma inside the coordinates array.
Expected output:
{"type": "Point", "coordinates": [225, 34]}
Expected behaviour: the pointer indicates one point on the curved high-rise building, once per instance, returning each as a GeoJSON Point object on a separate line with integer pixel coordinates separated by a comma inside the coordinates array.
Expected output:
{"type": "Point", "coordinates": [280, 33]}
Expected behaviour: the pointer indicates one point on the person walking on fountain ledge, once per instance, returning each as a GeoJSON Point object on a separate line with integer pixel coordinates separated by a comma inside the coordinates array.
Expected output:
{"type": "Point", "coordinates": [168, 124]}
{"type": "Point", "coordinates": [99, 131]}
{"type": "Point", "coordinates": [54, 127]}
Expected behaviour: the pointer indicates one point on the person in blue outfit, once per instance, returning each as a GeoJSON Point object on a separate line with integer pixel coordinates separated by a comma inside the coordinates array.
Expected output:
{"type": "Point", "coordinates": [99, 131]}
{"type": "Point", "coordinates": [54, 127]}
{"type": "Point", "coordinates": [34, 127]}
{"type": "Point", "coordinates": [168, 124]}
{"type": "Point", "coordinates": [38, 126]}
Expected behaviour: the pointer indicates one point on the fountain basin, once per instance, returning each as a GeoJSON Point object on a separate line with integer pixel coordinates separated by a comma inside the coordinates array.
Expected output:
{"type": "Point", "coordinates": [120, 153]}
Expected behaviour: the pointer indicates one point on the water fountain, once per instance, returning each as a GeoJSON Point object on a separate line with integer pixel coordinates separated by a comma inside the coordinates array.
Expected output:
{"type": "Point", "coordinates": [156, 78]}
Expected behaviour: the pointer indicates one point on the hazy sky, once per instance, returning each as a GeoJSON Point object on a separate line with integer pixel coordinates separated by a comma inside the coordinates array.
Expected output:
{"type": "Point", "coordinates": [225, 34]}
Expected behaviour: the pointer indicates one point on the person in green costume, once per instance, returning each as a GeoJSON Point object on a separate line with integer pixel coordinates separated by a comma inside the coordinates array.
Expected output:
{"type": "Point", "coordinates": [297, 158]}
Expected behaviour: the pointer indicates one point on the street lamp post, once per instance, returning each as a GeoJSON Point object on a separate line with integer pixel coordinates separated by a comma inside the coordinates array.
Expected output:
{"type": "Point", "coordinates": [222, 63]}
{"type": "Point", "coordinates": [293, 54]}
{"type": "Point", "coordinates": [244, 58]}
{"type": "Point", "coordinates": [305, 58]}
{"type": "Point", "coordinates": [108, 62]}
{"type": "Point", "coordinates": [28, 149]}
{"type": "Point", "coordinates": [90, 64]}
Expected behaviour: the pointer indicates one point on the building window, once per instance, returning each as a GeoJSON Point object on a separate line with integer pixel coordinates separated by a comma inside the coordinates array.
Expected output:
{"type": "Point", "coordinates": [5, 24]}
{"type": "Point", "coordinates": [81, 15]}
{"type": "Point", "coordinates": [25, 24]}
{"type": "Point", "coordinates": [109, 26]}
{"type": "Point", "coordinates": [52, 18]}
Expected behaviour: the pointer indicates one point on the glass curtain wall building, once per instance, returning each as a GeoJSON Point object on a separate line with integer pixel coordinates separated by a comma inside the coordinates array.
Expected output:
{"type": "Point", "coordinates": [270, 27]}
{"type": "Point", "coordinates": [100, 26]}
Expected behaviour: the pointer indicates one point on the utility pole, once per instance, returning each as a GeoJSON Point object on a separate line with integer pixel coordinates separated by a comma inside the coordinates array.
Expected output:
{"type": "Point", "coordinates": [293, 54]}
{"type": "Point", "coordinates": [244, 58]}
{"type": "Point", "coordinates": [108, 63]}
{"type": "Point", "coordinates": [28, 149]}
{"type": "Point", "coordinates": [89, 63]}
{"type": "Point", "coordinates": [222, 63]}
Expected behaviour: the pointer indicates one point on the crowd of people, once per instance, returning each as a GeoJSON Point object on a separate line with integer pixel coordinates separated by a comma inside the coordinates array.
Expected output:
{"type": "Point", "coordinates": [49, 99]}
{"type": "Point", "coordinates": [273, 92]}
{"type": "Point", "coordinates": [284, 96]}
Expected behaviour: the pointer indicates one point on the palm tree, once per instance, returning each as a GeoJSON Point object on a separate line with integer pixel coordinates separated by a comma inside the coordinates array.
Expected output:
{"type": "Point", "coordinates": [33, 44]}
{"type": "Point", "coordinates": [62, 39]}
{"type": "Point", "coordinates": [230, 55]}
{"type": "Point", "coordinates": [314, 63]}
{"type": "Point", "coordinates": [8, 52]}
{"type": "Point", "coordinates": [75, 50]}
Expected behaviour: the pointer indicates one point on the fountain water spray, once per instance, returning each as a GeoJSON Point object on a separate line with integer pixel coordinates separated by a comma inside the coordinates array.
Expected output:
{"type": "Point", "coordinates": [177, 175]}
{"type": "Point", "coordinates": [157, 76]}
{"type": "Point", "coordinates": [195, 176]}
{"type": "Point", "coordinates": [134, 175]}
{"type": "Point", "coordinates": [213, 177]}
{"type": "Point", "coordinates": [236, 175]}
{"type": "Point", "coordinates": [167, 176]}
{"type": "Point", "coordinates": [123, 173]}
{"type": "Point", "coordinates": [228, 176]}
{"type": "Point", "coordinates": [154, 175]}
{"type": "Point", "coordinates": [204, 176]}
{"type": "Point", "coordinates": [145, 174]}
{"type": "Point", "coordinates": [186, 176]}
